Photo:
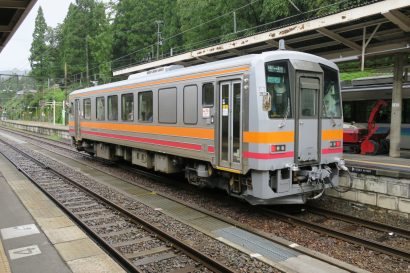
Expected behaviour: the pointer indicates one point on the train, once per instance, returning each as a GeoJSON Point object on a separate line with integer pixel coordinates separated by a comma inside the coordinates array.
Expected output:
{"type": "Point", "coordinates": [266, 128]}
{"type": "Point", "coordinates": [360, 95]}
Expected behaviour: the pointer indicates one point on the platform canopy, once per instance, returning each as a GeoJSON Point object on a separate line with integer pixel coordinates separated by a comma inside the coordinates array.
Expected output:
{"type": "Point", "coordinates": [12, 14]}
{"type": "Point", "coordinates": [381, 27]}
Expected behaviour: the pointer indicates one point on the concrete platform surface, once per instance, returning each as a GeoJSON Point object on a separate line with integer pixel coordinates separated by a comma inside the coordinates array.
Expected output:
{"type": "Point", "coordinates": [386, 165]}
{"type": "Point", "coordinates": [36, 236]}
{"type": "Point", "coordinates": [296, 259]}
{"type": "Point", "coordinates": [39, 124]}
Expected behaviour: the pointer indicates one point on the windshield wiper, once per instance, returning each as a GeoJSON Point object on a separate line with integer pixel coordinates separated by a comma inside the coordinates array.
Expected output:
{"type": "Point", "coordinates": [282, 123]}
{"type": "Point", "coordinates": [331, 115]}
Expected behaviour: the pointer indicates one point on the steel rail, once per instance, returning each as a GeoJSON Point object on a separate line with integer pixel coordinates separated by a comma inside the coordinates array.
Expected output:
{"type": "Point", "coordinates": [164, 179]}
{"type": "Point", "coordinates": [362, 222]}
{"type": "Point", "coordinates": [368, 243]}
{"type": "Point", "coordinates": [204, 259]}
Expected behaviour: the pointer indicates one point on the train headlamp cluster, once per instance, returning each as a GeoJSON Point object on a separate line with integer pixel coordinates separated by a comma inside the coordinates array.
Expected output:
{"type": "Point", "coordinates": [277, 148]}
{"type": "Point", "coordinates": [335, 144]}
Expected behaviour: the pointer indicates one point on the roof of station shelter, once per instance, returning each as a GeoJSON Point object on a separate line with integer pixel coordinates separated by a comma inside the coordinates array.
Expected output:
{"type": "Point", "coordinates": [12, 14]}
{"type": "Point", "coordinates": [383, 26]}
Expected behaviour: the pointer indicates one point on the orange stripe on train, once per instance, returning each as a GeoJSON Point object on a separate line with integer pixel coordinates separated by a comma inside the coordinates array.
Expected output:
{"type": "Point", "coordinates": [170, 80]}
{"type": "Point", "coordinates": [332, 134]}
{"type": "Point", "coordinates": [268, 137]}
{"type": "Point", "coordinates": [152, 129]}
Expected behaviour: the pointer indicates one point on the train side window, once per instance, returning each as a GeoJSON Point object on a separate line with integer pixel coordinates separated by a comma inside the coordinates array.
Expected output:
{"type": "Point", "coordinates": [190, 104]}
{"type": "Point", "coordinates": [277, 85]}
{"type": "Point", "coordinates": [208, 95]}
{"type": "Point", "coordinates": [100, 108]}
{"type": "Point", "coordinates": [145, 106]}
{"type": "Point", "coordinates": [72, 108]}
{"type": "Point", "coordinates": [127, 107]}
{"type": "Point", "coordinates": [167, 105]}
{"type": "Point", "coordinates": [112, 102]}
{"type": "Point", "coordinates": [87, 108]}
{"type": "Point", "coordinates": [331, 95]}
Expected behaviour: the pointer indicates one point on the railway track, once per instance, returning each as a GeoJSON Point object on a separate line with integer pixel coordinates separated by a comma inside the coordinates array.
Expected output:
{"type": "Point", "coordinates": [292, 219]}
{"type": "Point", "coordinates": [376, 236]}
{"type": "Point", "coordinates": [139, 245]}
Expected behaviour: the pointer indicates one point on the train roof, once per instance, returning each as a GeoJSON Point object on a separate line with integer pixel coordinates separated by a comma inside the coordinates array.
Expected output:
{"type": "Point", "coordinates": [227, 63]}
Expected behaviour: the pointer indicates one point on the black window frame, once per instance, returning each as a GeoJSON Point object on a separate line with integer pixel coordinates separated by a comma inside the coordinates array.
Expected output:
{"type": "Point", "coordinates": [84, 107]}
{"type": "Point", "coordinates": [287, 81]}
{"type": "Point", "coordinates": [122, 107]}
{"type": "Point", "coordinates": [96, 108]}
{"type": "Point", "coordinates": [206, 105]}
{"type": "Point", "coordinates": [108, 108]}
{"type": "Point", "coordinates": [326, 71]}
{"type": "Point", "coordinates": [152, 106]}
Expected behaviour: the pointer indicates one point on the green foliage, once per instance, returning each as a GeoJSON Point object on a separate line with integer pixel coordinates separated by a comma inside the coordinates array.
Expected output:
{"type": "Point", "coordinates": [39, 59]}
{"type": "Point", "coordinates": [86, 39]}
{"type": "Point", "coordinates": [348, 76]}
{"type": "Point", "coordinates": [95, 32]}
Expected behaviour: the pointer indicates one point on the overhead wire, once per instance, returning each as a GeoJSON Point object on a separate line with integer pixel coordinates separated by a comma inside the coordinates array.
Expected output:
{"type": "Point", "coordinates": [110, 62]}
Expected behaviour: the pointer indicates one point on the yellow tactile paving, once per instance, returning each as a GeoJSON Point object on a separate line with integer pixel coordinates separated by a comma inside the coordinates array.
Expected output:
{"type": "Point", "coordinates": [79, 252]}
{"type": "Point", "coordinates": [4, 263]}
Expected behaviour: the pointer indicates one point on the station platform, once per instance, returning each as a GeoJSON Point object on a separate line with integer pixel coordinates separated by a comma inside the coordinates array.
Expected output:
{"type": "Point", "coordinates": [39, 124]}
{"type": "Point", "coordinates": [381, 165]}
{"type": "Point", "coordinates": [43, 128]}
{"type": "Point", "coordinates": [36, 236]}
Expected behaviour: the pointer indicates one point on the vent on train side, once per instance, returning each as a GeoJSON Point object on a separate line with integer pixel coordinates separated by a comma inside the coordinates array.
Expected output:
{"type": "Point", "coordinates": [155, 71]}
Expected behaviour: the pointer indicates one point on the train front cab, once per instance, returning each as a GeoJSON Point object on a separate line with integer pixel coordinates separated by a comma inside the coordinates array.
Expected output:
{"type": "Point", "coordinates": [295, 130]}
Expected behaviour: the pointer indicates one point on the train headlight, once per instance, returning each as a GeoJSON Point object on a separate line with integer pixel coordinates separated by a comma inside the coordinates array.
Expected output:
{"type": "Point", "coordinates": [335, 144]}
{"type": "Point", "coordinates": [277, 148]}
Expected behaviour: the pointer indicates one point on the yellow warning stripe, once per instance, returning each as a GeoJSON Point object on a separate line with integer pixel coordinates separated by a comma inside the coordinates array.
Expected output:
{"type": "Point", "coordinates": [227, 170]}
{"type": "Point", "coordinates": [4, 263]}
{"type": "Point", "coordinates": [378, 163]}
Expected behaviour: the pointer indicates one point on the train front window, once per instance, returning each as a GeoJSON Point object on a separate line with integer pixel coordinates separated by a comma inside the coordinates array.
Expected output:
{"type": "Point", "coordinates": [331, 96]}
{"type": "Point", "coordinates": [277, 85]}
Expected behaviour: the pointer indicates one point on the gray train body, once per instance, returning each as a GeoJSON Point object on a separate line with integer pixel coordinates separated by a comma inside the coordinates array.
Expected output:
{"type": "Point", "coordinates": [266, 127]}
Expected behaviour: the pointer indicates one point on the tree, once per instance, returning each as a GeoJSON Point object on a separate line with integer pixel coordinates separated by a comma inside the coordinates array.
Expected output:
{"type": "Point", "coordinates": [86, 40]}
{"type": "Point", "coordinates": [39, 61]}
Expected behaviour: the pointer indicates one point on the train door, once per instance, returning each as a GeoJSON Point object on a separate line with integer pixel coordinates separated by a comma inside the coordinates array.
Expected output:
{"type": "Point", "coordinates": [307, 120]}
{"type": "Point", "coordinates": [230, 124]}
{"type": "Point", "coordinates": [77, 114]}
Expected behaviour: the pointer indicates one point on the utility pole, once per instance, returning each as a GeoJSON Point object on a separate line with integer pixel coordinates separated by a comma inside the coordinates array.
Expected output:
{"type": "Point", "coordinates": [158, 22]}
{"type": "Point", "coordinates": [234, 22]}
{"type": "Point", "coordinates": [86, 59]}
{"type": "Point", "coordinates": [65, 79]}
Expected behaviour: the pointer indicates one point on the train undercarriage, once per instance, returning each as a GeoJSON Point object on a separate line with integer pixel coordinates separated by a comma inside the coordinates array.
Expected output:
{"type": "Point", "coordinates": [291, 185]}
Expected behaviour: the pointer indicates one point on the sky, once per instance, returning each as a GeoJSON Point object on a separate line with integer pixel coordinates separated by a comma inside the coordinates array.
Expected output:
{"type": "Point", "coordinates": [17, 51]}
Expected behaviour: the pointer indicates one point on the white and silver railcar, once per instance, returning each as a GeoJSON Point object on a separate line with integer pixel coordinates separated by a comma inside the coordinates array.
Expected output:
{"type": "Point", "coordinates": [265, 127]}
